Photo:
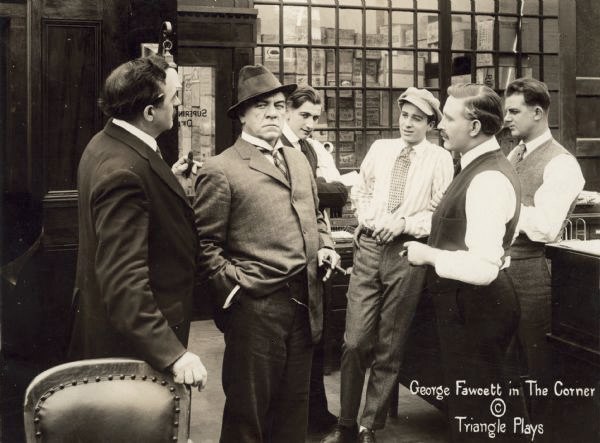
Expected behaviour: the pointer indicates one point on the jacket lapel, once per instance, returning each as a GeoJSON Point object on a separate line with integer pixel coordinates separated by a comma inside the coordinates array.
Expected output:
{"type": "Point", "coordinates": [258, 162]}
{"type": "Point", "coordinates": [157, 164]}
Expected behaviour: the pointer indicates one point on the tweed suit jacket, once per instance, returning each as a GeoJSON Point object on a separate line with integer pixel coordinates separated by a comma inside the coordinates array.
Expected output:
{"type": "Point", "coordinates": [137, 251]}
{"type": "Point", "coordinates": [245, 211]}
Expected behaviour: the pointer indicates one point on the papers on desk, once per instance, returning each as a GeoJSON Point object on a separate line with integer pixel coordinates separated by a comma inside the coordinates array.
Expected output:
{"type": "Point", "coordinates": [585, 246]}
{"type": "Point", "coordinates": [349, 179]}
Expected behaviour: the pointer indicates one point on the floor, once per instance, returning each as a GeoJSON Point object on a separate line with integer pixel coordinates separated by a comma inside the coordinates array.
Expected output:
{"type": "Point", "coordinates": [418, 421]}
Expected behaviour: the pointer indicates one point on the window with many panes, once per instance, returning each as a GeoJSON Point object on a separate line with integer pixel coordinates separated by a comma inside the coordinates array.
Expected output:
{"type": "Point", "coordinates": [362, 54]}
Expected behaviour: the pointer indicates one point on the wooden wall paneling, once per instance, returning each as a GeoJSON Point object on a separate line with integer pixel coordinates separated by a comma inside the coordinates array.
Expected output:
{"type": "Point", "coordinates": [73, 9]}
{"type": "Point", "coordinates": [71, 66]}
{"type": "Point", "coordinates": [567, 73]}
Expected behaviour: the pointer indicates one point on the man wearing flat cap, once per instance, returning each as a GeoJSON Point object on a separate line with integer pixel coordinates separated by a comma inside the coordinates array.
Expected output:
{"type": "Point", "coordinates": [401, 181]}
{"type": "Point", "coordinates": [261, 241]}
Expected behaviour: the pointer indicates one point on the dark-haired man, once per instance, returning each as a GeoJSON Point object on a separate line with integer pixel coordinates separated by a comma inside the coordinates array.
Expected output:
{"type": "Point", "coordinates": [262, 239]}
{"type": "Point", "coordinates": [401, 181]}
{"type": "Point", "coordinates": [137, 242]}
{"type": "Point", "coordinates": [550, 179]}
{"type": "Point", "coordinates": [303, 112]}
{"type": "Point", "coordinates": [471, 231]}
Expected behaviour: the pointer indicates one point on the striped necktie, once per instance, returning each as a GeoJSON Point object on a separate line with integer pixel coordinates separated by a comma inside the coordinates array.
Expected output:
{"type": "Point", "coordinates": [398, 180]}
{"type": "Point", "coordinates": [519, 154]}
{"type": "Point", "coordinates": [278, 160]}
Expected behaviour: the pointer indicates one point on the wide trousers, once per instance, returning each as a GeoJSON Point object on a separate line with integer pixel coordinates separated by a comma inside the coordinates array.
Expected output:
{"type": "Point", "coordinates": [266, 368]}
{"type": "Point", "coordinates": [475, 328]}
{"type": "Point", "coordinates": [382, 297]}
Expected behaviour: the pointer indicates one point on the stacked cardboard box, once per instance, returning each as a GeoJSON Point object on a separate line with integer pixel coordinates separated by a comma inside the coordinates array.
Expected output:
{"type": "Point", "coordinates": [507, 72]}
{"type": "Point", "coordinates": [402, 70]}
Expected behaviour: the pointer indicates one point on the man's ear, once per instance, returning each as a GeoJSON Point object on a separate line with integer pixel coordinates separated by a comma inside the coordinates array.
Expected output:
{"type": "Point", "coordinates": [475, 128]}
{"type": "Point", "coordinates": [538, 113]}
{"type": "Point", "coordinates": [149, 113]}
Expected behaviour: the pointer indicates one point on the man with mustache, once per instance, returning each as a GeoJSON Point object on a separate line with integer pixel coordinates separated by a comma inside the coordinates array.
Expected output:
{"type": "Point", "coordinates": [476, 308]}
{"type": "Point", "coordinates": [400, 183]}
{"type": "Point", "coordinates": [262, 239]}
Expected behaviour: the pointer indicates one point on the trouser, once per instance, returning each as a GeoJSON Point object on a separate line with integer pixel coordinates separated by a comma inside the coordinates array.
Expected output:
{"type": "Point", "coordinates": [475, 327]}
{"type": "Point", "coordinates": [317, 402]}
{"type": "Point", "coordinates": [532, 281]}
{"type": "Point", "coordinates": [266, 368]}
{"type": "Point", "coordinates": [382, 297]}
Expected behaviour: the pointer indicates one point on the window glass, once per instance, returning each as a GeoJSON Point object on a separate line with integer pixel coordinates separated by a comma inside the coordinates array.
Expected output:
{"type": "Point", "coordinates": [531, 6]}
{"type": "Point", "coordinates": [427, 30]}
{"type": "Point", "coordinates": [431, 70]}
{"type": "Point", "coordinates": [509, 6]}
{"type": "Point", "coordinates": [319, 65]}
{"type": "Point", "coordinates": [551, 74]}
{"type": "Point", "coordinates": [530, 34]}
{"type": "Point", "coordinates": [461, 68]}
{"type": "Point", "coordinates": [382, 3]}
{"type": "Point", "coordinates": [295, 24]}
{"type": "Point", "coordinates": [323, 26]}
{"type": "Point", "coordinates": [461, 32]}
{"type": "Point", "coordinates": [268, 24]}
{"type": "Point", "coordinates": [427, 4]}
{"type": "Point", "coordinates": [484, 6]}
{"type": "Point", "coordinates": [550, 7]}
{"type": "Point", "coordinates": [402, 69]}
{"type": "Point", "coordinates": [402, 29]}
{"type": "Point", "coordinates": [377, 28]}
{"type": "Point", "coordinates": [460, 5]}
{"type": "Point", "coordinates": [350, 32]}
{"type": "Point", "coordinates": [551, 35]}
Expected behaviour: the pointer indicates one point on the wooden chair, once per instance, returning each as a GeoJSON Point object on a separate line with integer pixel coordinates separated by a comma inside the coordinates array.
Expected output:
{"type": "Point", "coordinates": [106, 400]}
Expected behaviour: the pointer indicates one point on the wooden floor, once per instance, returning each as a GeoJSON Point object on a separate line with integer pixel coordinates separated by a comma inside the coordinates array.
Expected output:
{"type": "Point", "coordinates": [418, 421]}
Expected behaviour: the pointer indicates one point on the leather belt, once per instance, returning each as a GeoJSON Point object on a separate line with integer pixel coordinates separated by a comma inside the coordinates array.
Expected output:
{"type": "Point", "coordinates": [366, 231]}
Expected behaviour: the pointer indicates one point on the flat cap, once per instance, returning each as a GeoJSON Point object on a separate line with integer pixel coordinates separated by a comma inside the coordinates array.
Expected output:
{"type": "Point", "coordinates": [422, 99]}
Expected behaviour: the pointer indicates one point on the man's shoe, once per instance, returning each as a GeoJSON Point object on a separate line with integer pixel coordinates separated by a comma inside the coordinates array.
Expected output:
{"type": "Point", "coordinates": [321, 422]}
{"type": "Point", "coordinates": [366, 436]}
{"type": "Point", "coordinates": [341, 434]}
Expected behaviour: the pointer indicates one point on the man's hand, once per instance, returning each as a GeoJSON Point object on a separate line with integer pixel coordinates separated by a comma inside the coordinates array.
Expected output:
{"type": "Point", "coordinates": [332, 257]}
{"type": "Point", "coordinates": [420, 254]}
{"type": "Point", "coordinates": [388, 229]}
{"type": "Point", "coordinates": [181, 166]}
{"type": "Point", "coordinates": [189, 369]}
{"type": "Point", "coordinates": [356, 235]}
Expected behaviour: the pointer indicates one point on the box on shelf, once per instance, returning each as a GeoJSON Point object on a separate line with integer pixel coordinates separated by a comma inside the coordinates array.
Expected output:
{"type": "Point", "coordinates": [506, 74]}
{"type": "Point", "coordinates": [398, 30]}
{"type": "Point", "coordinates": [461, 39]}
{"type": "Point", "coordinates": [347, 159]}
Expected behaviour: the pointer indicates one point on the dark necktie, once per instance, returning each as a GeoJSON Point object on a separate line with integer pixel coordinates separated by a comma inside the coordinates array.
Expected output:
{"type": "Point", "coordinates": [398, 181]}
{"type": "Point", "coordinates": [519, 154]}
{"type": "Point", "coordinates": [310, 154]}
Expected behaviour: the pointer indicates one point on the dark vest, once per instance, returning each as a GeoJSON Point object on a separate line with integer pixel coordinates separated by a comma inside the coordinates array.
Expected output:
{"type": "Point", "coordinates": [308, 151]}
{"type": "Point", "coordinates": [531, 175]}
{"type": "Point", "coordinates": [449, 221]}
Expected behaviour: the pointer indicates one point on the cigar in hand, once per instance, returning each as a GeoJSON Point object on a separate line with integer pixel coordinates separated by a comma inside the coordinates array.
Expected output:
{"type": "Point", "coordinates": [337, 268]}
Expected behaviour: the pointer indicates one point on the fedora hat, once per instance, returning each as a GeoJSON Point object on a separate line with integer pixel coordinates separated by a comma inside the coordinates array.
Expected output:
{"type": "Point", "coordinates": [422, 99]}
{"type": "Point", "coordinates": [254, 81]}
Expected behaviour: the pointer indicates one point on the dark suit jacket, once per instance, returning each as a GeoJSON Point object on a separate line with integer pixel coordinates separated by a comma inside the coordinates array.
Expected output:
{"type": "Point", "coordinates": [137, 249]}
{"type": "Point", "coordinates": [248, 216]}
{"type": "Point", "coordinates": [331, 195]}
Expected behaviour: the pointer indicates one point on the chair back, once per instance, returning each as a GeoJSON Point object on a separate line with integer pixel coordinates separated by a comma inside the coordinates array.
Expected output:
{"type": "Point", "coordinates": [106, 400]}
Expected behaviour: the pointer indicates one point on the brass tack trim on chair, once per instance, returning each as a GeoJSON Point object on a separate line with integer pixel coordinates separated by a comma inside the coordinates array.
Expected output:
{"type": "Point", "coordinates": [37, 419]}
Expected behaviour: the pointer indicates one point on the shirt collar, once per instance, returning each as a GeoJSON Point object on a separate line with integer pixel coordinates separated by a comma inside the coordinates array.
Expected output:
{"type": "Point", "coordinates": [260, 143]}
{"type": "Point", "coordinates": [143, 136]}
{"type": "Point", "coordinates": [290, 135]}
{"type": "Point", "coordinates": [537, 142]}
{"type": "Point", "coordinates": [418, 148]}
{"type": "Point", "coordinates": [487, 146]}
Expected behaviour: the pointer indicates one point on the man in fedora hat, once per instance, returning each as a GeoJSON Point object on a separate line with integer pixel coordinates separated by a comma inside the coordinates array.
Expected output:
{"type": "Point", "coordinates": [400, 182]}
{"type": "Point", "coordinates": [261, 240]}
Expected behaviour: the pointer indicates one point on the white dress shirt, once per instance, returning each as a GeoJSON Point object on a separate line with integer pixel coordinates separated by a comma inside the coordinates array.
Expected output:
{"type": "Point", "coordinates": [562, 183]}
{"type": "Point", "coordinates": [429, 175]}
{"type": "Point", "coordinates": [490, 203]}
{"type": "Point", "coordinates": [325, 163]}
{"type": "Point", "coordinates": [143, 136]}
{"type": "Point", "coordinates": [259, 142]}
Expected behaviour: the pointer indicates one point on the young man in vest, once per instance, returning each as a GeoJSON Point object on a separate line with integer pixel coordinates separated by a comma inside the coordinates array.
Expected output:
{"type": "Point", "coordinates": [550, 179]}
{"type": "Point", "coordinates": [400, 182]}
{"type": "Point", "coordinates": [303, 112]}
{"type": "Point", "coordinates": [471, 231]}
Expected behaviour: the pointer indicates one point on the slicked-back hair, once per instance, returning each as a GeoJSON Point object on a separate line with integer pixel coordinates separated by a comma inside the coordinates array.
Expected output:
{"type": "Point", "coordinates": [535, 92]}
{"type": "Point", "coordinates": [303, 94]}
{"type": "Point", "coordinates": [481, 103]}
{"type": "Point", "coordinates": [132, 86]}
